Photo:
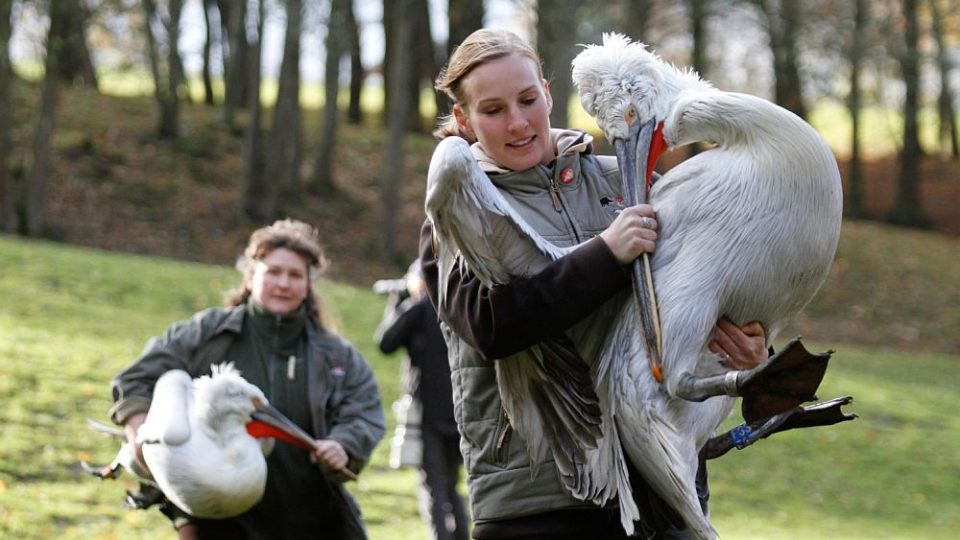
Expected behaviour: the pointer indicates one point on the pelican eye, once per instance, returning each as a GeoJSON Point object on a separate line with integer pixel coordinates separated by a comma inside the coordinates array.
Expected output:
{"type": "Point", "coordinates": [630, 116]}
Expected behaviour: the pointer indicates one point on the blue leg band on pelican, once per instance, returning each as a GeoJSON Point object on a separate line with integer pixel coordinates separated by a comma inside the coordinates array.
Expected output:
{"type": "Point", "coordinates": [740, 436]}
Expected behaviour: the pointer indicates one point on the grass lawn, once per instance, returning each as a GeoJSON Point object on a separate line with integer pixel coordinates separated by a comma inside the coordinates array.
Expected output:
{"type": "Point", "coordinates": [71, 317]}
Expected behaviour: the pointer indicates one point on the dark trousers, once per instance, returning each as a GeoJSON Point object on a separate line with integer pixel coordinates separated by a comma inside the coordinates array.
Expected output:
{"type": "Point", "coordinates": [440, 503]}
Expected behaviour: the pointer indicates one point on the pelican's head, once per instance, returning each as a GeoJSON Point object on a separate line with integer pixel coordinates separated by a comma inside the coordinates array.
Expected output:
{"type": "Point", "coordinates": [621, 83]}
{"type": "Point", "coordinates": [225, 398]}
{"type": "Point", "coordinates": [226, 394]}
{"type": "Point", "coordinates": [630, 91]}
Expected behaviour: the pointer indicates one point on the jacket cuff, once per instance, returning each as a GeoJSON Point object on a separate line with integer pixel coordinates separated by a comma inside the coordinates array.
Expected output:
{"type": "Point", "coordinates": [122, 410]}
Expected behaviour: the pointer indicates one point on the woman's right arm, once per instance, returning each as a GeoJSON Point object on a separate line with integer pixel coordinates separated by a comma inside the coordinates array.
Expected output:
{"type": "Point", "coordinates": [132, 388]}
{"type": "Point", "coordinates": [505, 319]}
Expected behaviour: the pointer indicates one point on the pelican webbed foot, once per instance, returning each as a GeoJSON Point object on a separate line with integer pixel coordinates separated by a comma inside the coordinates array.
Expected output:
{"type": "Point", "coordinates": [824, 413]}
{"type": "Point", "coordinates": [785, 381]}
{"type": "Point", "coordinates": [111, 471]}
{"type": "Point", "coordinates": [789, 379]}
{"type": "Point", "coordinates": [145, 498]}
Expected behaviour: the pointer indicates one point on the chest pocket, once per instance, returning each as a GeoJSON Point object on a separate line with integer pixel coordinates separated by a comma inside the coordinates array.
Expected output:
{"type": "Point", "coordinates": [598, 197]}
{"type": "Point", "coordinates": [538, 211]}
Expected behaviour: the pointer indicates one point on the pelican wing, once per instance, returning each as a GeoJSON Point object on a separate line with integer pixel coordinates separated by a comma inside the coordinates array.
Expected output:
{"type": "Point", "coordinates": [168, 421]}
{"type": "Point", "coordinates": [478, 226]}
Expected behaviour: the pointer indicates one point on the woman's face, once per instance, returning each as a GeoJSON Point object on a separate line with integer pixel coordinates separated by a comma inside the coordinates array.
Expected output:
{"type": "Point", "coordinates": [508, 110]}
{"type": "Point", "coordinates": [280, 281]}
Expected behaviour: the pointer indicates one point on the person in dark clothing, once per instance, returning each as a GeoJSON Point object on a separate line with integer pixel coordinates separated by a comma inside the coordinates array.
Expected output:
{"type": "Point", "coordinates": [275, 332]}
{"type": "Point", "coordinates": [410, 321]}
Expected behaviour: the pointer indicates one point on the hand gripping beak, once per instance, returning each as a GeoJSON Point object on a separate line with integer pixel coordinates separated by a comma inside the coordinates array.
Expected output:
{"type": "Point", "coordinates": [633, 156]}
{"type": "Point", "coordinates": [267, 421]}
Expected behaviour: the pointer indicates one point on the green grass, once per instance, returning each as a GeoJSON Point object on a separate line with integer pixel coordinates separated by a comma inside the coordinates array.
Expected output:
{"type": "Point", "coordinates": [71, 317]}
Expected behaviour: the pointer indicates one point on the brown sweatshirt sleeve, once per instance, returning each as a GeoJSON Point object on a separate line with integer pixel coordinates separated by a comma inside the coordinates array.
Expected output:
{"type": "Point", "coordinates": [505, 319]}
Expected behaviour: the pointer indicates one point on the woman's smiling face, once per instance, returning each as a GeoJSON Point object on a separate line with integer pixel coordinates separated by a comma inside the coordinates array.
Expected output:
{"type": "Point", "coordinates": [508, 110]}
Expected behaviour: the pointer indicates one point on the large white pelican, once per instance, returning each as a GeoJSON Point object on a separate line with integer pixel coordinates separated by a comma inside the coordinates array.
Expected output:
{"type": "Point", "coordinates": [204, 441]}
{"type": "Point", "coordinates": [747, 229]}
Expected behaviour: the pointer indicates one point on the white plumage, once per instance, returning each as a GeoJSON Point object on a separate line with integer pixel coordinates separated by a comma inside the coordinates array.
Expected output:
{"type": "Point", "coordinates": [195, 442]}
{"type": "Point", "coordinates": [748, 229]}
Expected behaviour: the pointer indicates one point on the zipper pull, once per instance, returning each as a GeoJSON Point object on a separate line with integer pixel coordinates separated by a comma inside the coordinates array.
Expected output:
{"type": "Point", "coordinates": [291, 367]}
{"type": "Point", "coordinates": [554, 196]}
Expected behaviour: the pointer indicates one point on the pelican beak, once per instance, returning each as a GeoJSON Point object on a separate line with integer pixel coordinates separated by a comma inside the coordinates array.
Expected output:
{"type": "Point", "coordinates": [633, 157]}
{"type": "Point", "coordinates": [267, 421]}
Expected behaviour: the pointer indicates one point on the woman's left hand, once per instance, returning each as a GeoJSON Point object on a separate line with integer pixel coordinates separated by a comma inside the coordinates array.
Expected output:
{"type": "Point", "coordinates": [743, 347]}
{"type": "Point", "coordinates": [330, 453]}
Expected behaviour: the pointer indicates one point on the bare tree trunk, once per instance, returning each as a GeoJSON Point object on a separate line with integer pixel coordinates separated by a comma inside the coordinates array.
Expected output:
{"type": "Point", "coordinates": [153, 51]}
{"type": "Point", "coordinates": [43, 136]}
{"type": "Point", "coordinates": [907, 208]}
{"type": "Point", "coordinates": [948, 116]}
{"type": "Point", "coordinates": [424, 64]}
{"type": "Point", "coordinates": [783, 26]}
{"type": "Point", "coordinates": [6, 124]}
{"type": "Point", "coordinates": [235, 63]}
{"type": "Point", "coordinates": [400, 69]}
{"type": "Point", "coordinates": [357, 74]}
{"type": "Point", "coordinates": [392, 18]}
{"type": "Point", "coordinates": [855, 207]}
{"type": "Point", "coordinates": [698, 48]}
{"type": "Point", "coordinates": [636, 14]}
{"type": "Point", "coordinates": [557, 49]}
{"type": "Point", "coordinates": [75, 64]}
{"type": "Point", "coordinates": [170, 107]}
{"type": "Point", "coordinates": [166, 75]}
{"type": "Point", "coordinates": [698, 32]}
{"type": "Point", "coordinates": [465, 17]}
{"type": "Point", "coordinates": [284, 145]}
{"type": "Point", "coordinates": [255, 191]}
{"type": "Point", "coordinates": [207, 45]}
{"type": "Point", "coordinates": [322, 183]}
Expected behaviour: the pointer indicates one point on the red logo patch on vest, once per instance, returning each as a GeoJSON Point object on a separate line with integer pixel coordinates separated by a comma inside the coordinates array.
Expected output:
{"type": "Point", "coordinates": [566, 176]}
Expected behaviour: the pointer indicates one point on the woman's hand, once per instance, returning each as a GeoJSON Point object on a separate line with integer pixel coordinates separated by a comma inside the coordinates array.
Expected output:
{"type": "Point", "coordinates": [632, 233]}
{"type": "Point", "coordinates": [743, 347]}
{"type": "Point", "coordinates": [330, 453]}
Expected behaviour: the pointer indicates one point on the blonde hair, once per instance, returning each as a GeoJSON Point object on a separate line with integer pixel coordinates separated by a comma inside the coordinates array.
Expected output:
{"type": "Point", "coordinates": [478, 48]}
{"type": "Point", "coordinates": [297, 236]}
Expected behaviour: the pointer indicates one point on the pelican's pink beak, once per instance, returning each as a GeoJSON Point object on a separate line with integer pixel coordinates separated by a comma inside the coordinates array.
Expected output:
{"type": "Point", "coordinates": [267, 421]}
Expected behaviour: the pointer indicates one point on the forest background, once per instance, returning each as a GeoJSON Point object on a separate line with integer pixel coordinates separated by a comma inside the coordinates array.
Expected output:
{"type": "Point", "coordinates": [111, 138]}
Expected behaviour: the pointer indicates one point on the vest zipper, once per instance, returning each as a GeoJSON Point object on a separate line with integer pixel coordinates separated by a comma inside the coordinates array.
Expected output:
{"type": "Point", "coordinates": [558, 206]}
{"type": "Point", "coordinates": [554, 195]}
{"type": "Point", "coordinates": [503, 439]}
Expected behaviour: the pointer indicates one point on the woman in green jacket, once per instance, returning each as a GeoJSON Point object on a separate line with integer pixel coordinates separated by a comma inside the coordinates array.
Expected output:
{"type": "Point", "coordinates": [274, 333]}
